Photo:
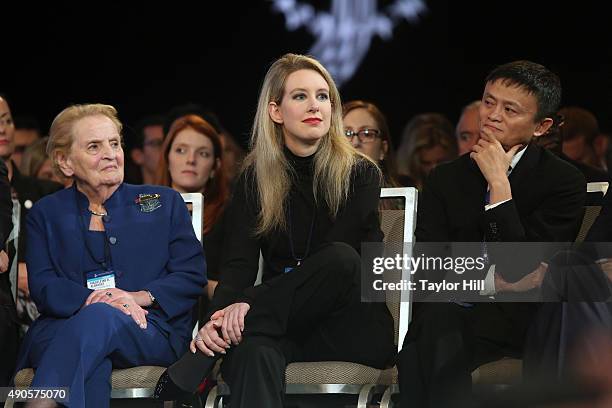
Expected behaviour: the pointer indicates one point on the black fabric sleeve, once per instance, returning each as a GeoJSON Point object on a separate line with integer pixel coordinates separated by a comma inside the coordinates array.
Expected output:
{"type": "Point", "coordinates": [555, 220]}
{"type": "Point", "coordinates": [240, 254]}
{"type": "Point", "coordinates": [6, 205]}
{"type": "Point", "coordinates": [432, 221]}
{"type": "Point", "coordinates": [360, 210]}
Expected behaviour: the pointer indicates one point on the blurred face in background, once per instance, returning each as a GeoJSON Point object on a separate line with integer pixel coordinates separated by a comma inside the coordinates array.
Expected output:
{"type": "Point", "coordinates": [7, 131]}
{"type": "Point", "coordinates": [575, 148]}
{"type": "Point", "coordinates": [431, 157]}
{"type": "Point", "coordinates": [191, 161]}
{"type": "Point", "coordinates": [23, 139]}
{"type": "Point", "coordinates": [46, 171]}
{"type": "Point", "coordinates": [468, 130]}
{"type": "Point", "coordinates": [151, 147]}
{"type": "Point", "coordinates": [364, 134]}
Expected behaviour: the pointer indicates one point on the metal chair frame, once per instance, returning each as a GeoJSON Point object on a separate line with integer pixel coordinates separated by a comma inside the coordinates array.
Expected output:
{"type": "Point", "coordinates": [364, 392]}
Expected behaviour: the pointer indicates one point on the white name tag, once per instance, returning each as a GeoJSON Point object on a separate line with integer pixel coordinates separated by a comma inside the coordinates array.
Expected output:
{"type": "Point", "coordinates": [106, 281]}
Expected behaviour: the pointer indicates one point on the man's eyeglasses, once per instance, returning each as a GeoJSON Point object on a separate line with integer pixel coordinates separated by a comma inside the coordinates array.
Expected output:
{"type": "Point", "coordinates": [364, 135]}
{"type": "Point", "coordinates": [154, 143]}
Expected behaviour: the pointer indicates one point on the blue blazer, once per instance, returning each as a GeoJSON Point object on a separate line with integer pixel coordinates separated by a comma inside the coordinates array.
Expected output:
{"type": "Point", "coordinates": [156, 251]}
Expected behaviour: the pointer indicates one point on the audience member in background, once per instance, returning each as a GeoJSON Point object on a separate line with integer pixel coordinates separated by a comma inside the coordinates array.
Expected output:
{"type": "Point", "coordinates": [577, 126]}
{"type": "Point", "coordinates": [8, 317]}
{"type": "Point", "coordinates": [507, 190]}
{"type": "Point", "coordinates": [145, 149]}
{"type": "Point", "coordinates": [468, 129]}
{"type": "Point", "coordinates": [192, 162]}
{"type": "Point", "coordinates": [28, 190]}
{"type": "Point", "coordinates": [114, 268]}
{"type": "Point", "coordinates": [578, 134]}
{"type": "Point", "coordinates": [427, 141]}
{"type": "Point", "coordinates": [27, 131]}
{"type": "Point", "coordinates": [417, 121]}
{"type": "Point", "coordinates": [233, 154]}
{"type": "Point", "coordinates": [306, 200]}
{"type": "Point", "coordinates": [579, 130]}
{"type": "Point", "coordinates": [366, 128]}
{"type": "Point", "coordinates": [36, 163]}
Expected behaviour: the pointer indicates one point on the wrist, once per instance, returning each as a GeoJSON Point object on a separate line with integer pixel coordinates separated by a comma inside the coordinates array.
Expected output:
{"type": "Point", "coordinates": [499, 190]}
{"type": "Point", "coordinates": [143, 298]}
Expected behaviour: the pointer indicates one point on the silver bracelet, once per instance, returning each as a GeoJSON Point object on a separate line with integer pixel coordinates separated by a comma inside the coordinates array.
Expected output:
{"type": "Point", "coordinates": [151, 297]}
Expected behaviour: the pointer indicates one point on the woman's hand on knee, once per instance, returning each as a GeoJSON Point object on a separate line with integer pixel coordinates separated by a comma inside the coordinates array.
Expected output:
{"type": "Point", "coordinates": [127, 304]}
{"type": "Point", "coordinates": [233, 322]}
{"type": "Point", "coordinates": [105, 296]}
{"type": "Point", "coordinates": [208, 340]}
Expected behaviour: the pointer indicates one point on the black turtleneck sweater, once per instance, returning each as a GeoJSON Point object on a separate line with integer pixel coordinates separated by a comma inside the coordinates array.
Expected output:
{"type": "Point", "coordinates": [357, 221]}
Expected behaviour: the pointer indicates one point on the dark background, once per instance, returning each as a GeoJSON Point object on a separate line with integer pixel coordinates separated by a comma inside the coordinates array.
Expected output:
{"type": "Point", "coordinates": [147, 58]}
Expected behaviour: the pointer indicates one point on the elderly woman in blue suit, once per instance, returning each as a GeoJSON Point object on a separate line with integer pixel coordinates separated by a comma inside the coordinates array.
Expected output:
{"type": "Point", "coordinates": [114, 269]}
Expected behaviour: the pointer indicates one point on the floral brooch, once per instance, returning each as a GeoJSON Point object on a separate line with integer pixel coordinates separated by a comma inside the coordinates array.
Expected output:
{"type": "Point", "coordinates": [148, 202]}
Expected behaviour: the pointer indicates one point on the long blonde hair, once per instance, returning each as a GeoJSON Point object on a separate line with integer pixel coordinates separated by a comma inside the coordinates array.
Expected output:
{"type": "Point", "coordinates": [267, 164]}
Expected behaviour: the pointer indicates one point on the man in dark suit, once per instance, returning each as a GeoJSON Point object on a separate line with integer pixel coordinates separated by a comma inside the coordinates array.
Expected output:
{"type": "Point", "coordinates": [506, 190]}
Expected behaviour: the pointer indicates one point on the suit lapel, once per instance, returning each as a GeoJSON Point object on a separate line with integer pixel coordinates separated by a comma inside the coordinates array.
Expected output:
{"type": "Point", "coordinates": [524, 168]}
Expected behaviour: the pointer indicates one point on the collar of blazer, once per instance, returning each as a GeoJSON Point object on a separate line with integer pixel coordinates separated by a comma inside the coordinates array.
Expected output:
{"type": "Point", "coordinates": [115, 200]}
{"type": "Point", "coordinates": [526, 164]}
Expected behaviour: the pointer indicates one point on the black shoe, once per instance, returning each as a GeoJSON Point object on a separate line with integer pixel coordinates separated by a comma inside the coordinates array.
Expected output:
{"type": "Point", "coordinates": [189, 372]}
{"type": "Point", "coordinates": [167, 390]}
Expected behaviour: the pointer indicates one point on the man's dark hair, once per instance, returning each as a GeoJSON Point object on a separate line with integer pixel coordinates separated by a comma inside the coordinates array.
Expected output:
{"type": "Point", "coordinates": [578, 122]}
{"type": "Point", "coordinates": [535, 79]}
{"type": "Point", "coordinates": [27, 122]}
{"type": "Point", "coordinates": [134, 137]}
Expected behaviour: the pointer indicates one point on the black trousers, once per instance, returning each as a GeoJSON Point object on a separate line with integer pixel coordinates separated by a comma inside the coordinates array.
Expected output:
{"type": "Point", "coordinates": [313, 313]}
{"type": "Point", "coordinates": [446, 342]}
{"type": "Point", "coordinates": [9, 337]}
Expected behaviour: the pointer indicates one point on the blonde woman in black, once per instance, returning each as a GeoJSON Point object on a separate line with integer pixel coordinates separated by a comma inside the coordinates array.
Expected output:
{"type": "Point", "coordinates": [307, 200]}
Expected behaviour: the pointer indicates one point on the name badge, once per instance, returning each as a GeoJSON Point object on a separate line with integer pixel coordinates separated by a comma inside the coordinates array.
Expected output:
{"type": "Point", "coordinates": [100, 280]}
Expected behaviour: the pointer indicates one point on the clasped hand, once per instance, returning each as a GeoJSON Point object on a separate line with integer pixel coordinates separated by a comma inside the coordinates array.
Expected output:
{"type": "Point", "coordinates": [224, 328]}
{"type": "Point", "coordinates": [122, 300]}
{"type": "Point", "coordinates": [528, 282]}
{"type": "Point", "coordinates": [491, 158]}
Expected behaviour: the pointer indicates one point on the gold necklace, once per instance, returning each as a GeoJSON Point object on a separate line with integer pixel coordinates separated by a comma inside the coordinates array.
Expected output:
{"type": "Point", "coordinates": [97, 213]}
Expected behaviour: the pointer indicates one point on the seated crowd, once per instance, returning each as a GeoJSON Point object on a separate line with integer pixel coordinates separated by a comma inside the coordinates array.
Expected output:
{"type": "Point", "coordinates": [111, 274]}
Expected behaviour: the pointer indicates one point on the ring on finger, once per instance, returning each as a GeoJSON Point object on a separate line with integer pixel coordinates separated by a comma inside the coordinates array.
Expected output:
{"type": "Point", "coordinates": [109, 294]}
{"type": "Point", "coordinates": [126, 305]}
